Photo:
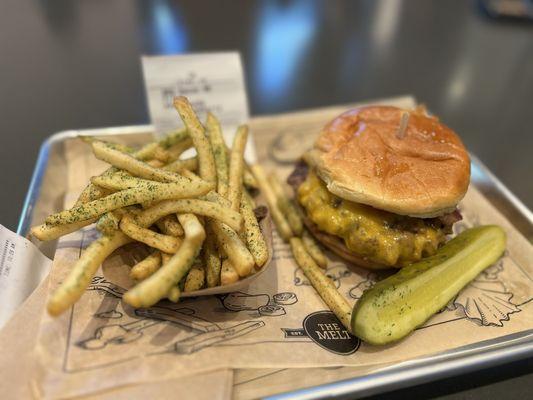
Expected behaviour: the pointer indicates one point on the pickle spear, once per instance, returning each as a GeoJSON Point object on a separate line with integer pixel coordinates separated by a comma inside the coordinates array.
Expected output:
{"type": "Point", "coordinates": [394, 307]}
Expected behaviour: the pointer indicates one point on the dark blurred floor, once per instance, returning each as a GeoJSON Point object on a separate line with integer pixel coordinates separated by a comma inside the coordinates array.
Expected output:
{"type": "Point", "coordinates": [75, 64]}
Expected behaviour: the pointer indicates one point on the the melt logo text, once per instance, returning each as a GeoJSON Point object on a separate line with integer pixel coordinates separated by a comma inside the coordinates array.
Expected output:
{"type": "Point", "coordinates": [325, 329]}
{"type": "Point", "coordinates": [332, 331]}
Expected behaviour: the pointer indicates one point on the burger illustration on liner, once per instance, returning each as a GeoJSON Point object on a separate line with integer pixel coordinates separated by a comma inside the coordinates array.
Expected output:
{"type": "Point", "coordinates": [381, 185]}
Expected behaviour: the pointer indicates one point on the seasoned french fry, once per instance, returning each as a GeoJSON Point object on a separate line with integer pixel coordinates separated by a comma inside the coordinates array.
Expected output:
{"type": "Point", "coordinates": [195, 278]}
{"type": "Point", "coordinates": [229, 241]}
{"type": "Point", "coordinates": [254, 238]}
{"type": "Point", "coordinates": [228, 274]}
{"type": "Point", "coordinates": [108, 222]}
{"type": "Point", "coordinates": [129, 163]}
{"type": "Point", "coordinates": [239, 256]}
{"type": "Point", "coordinates": [286, 206]}
{"type": "Point", "coordinates": [161, 226]}
{"type": "Point", "coordinates": [148, 151]}
{"type": "Point", "coordinates": [191, 175]}
{"type": "Point", "coordinates": [114, 181]}
{"type": "Point", "coordinates": [155, 163]}
{"type": "Point", "coordinates": [171, 138]}
{"type": "Point", "coordinates": [83, 270]}
{"type": "Point", "coordinates": [133, 210]}
{"type": "Point", "coordinates": [157, 286]}
{"type": "Point", "coordinates": [236, 167]}
{"type": "Point", "coordinates": [174, 294]}
{"type": "Point", "coordinates": [190, 164]}
{"type": "Point", "coordinates": [322, 284]}
{"type": "Point", "coordinates": [178, 149]}
{"type": "Point", "coordinates": [45, 232]}
{"type": "Point", "coordinates": [248, 178]}
{"type": "Point", "coordinates": [217, 198]}
{"type": "Point", "coordinates": [165, 243]}
{"type": "Point", "coordinates": [199, 207]}
{"type": "Point", "coordinates": [219, 152]}
{"type": "Point", "coordinates": [211, 258]}
{"type": "Point", "coordinates": [146, 267]}
{"type": "Point", "coordinates": [148, 191]}
{"type": "Point", "coordinates": [282, 225]}
{"type": "Point", "coordinates": [90, 193]}
{"type": "Point", "coordinates": [314, 250]}
{"type": "Point", "coordinates": [165, 257]}
{"type": "Point", "coordinates": [169, 225]}
{"type": "Point", "coordinates": [118, 146]}
{"type": "Point", "coordinates": [197, 134]}
{"type": "Point", "coordinates": [161, 155]}
{"type": "Point", "coordinates": [120, 180]}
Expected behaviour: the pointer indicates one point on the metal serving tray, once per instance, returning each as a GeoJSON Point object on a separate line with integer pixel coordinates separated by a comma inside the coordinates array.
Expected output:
{"type": "Point", "coordinates": [45, 196]}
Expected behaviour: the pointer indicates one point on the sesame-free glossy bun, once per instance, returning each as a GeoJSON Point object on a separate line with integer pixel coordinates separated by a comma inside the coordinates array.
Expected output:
{"type": "Point", "coordinates": [361, 158]}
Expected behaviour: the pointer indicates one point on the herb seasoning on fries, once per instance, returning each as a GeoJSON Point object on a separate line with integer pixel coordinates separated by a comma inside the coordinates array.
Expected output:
{"type": "Point", "coordinates": [200, 230]}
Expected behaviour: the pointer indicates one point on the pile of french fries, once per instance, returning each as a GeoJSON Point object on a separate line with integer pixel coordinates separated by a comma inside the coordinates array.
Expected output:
{"type": "Point", "coordinates": [305, 249]}
{"type": "Point", "coordinates": [196, 215]}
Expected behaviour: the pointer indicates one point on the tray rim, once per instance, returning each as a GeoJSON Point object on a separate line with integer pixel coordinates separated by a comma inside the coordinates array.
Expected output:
{"type": "Point", "coordinates": [421, 370]}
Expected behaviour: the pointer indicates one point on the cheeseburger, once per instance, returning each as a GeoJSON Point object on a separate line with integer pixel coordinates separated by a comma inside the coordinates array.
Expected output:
{"type": "Point", "coordinates": [381, 185]}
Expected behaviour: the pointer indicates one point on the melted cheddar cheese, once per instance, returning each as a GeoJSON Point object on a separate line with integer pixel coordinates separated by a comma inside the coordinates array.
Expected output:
{"type": "Point", "coordinates": [377, 235]}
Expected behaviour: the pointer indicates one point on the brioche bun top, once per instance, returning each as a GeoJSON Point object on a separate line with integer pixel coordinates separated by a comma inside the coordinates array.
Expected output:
{"type": "Point", "coordinates": [364, 155]}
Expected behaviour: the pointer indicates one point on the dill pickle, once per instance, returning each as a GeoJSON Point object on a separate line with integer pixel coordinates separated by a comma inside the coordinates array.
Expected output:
{"type": "Point", "coordinates": [394, 307]}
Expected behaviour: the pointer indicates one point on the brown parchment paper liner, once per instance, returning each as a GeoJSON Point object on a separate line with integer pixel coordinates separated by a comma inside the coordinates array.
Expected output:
{"type": "Point", "coordinates": [102, 343]}
{"type": "Point", "coordinates": [18, 366]}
